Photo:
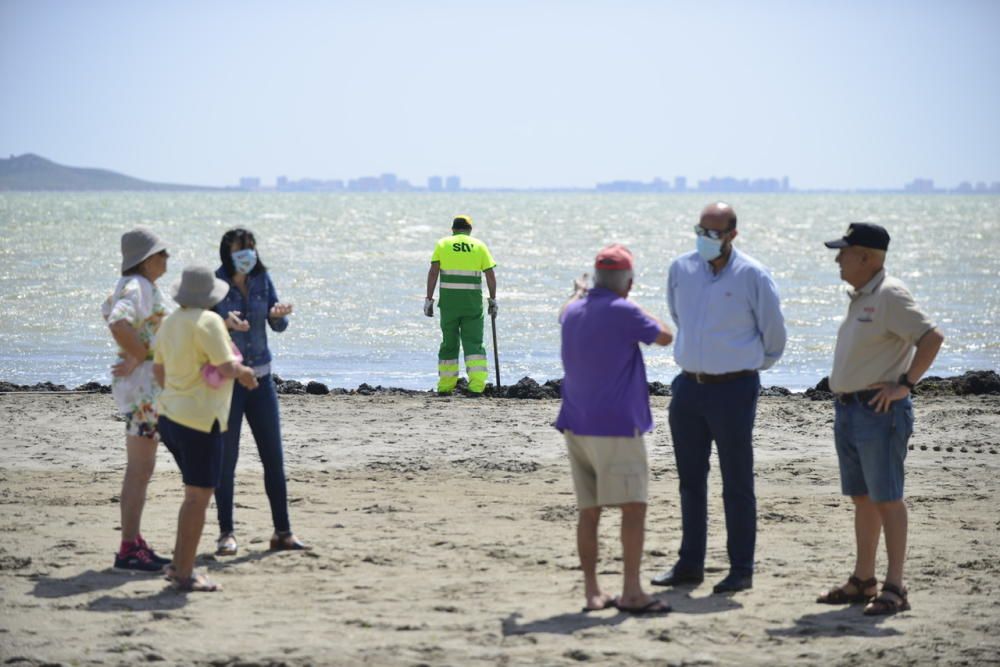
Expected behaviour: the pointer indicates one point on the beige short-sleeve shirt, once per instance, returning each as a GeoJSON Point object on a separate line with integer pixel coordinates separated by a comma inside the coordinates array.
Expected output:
{"type": "Point", "coordinates": [876, 341]}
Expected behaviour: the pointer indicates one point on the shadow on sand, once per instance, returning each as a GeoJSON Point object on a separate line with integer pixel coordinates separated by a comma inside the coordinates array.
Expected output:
{"type": "Point", "coordinates": [567, 624]}
{"type": "Point", "coordinates": [847, 622]}
{"type": "Point", "coordinates": [91, 581]}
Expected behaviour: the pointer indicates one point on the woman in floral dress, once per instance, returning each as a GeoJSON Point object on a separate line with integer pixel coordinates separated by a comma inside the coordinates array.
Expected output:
{"type": "Point", "coordinates": [133, 313]}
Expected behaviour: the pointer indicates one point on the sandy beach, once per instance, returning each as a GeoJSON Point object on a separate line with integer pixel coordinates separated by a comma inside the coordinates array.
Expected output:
{"type": "Point", "coordinates": [461, 551]}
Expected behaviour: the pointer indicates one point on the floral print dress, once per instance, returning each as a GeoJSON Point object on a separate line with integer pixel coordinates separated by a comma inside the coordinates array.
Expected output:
{"type": "Point", "coordinates": [140, 303]}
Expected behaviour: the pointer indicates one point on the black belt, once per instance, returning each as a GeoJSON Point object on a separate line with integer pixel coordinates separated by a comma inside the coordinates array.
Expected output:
{"type": "Point", "coordinates": [856, 396]}
{"type": "Point", "coordinates": [705, 378]}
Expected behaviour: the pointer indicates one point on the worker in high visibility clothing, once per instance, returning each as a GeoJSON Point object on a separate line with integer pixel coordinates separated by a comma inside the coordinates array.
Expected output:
{"type": "Point", "coordinates": [461, 261]}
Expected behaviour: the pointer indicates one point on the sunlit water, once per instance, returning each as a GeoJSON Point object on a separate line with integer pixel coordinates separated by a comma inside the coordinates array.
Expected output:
{"type": "Point", "coordinates": [355, 268]}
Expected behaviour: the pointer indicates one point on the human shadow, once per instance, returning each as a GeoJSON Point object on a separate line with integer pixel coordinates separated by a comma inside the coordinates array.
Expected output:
{"type": "Point", "coordinates": [846, 622]}
{"type": "Point", "coordinates": [164, 600]}
{"type": "Point", "coordinates": [91, 581]}
{"type": "Point", "coordinates": [213, 564]}
{"type": "Point", "coordinates": [561, 624]}
{"type": "Point", "coordinates": [87, 582]}
{"type": "Point", "coordinates": [710, 604]}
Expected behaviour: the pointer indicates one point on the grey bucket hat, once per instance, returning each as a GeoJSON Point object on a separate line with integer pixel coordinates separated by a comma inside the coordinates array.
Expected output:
{"type": "Point", "coordinates": [199, 288]}
{"type": "Point", "coordinates": [138, 244]}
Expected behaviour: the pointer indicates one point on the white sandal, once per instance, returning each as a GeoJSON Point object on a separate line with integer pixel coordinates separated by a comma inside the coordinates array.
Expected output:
{"type": "Point", "coordinates": [226, 545]}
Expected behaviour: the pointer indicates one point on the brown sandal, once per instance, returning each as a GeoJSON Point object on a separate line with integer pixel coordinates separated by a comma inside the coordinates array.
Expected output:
{"type": "Point", "coordinates": [287, 542]}
{"type": "Point", "coordinates": [884, 605]}
{"type": "Point", "coordinates": [839, 595]}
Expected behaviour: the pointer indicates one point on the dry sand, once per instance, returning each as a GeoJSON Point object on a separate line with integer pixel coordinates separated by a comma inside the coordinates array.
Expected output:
{"type": "Point", "coordinates": [461, 551]}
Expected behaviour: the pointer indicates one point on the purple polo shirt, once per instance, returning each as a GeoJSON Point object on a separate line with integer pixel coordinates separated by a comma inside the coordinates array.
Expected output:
{"type": "Point", "coordinates": [604, 389]}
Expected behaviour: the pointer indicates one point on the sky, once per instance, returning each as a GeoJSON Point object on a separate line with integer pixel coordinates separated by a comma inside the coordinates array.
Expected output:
{"type": "Point", "coordinates": [507, 94]}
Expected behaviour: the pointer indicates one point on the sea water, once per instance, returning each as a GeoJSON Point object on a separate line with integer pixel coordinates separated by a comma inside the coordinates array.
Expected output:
{"type": "Point", "coordinates": [355, 265]}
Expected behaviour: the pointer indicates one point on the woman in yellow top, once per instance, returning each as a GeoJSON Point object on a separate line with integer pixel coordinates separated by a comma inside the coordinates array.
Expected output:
{"type": "Point", "coordinates": [192, 348]}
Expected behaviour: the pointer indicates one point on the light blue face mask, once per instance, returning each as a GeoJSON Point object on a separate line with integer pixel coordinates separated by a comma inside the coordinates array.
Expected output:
{"type": "Point", "coordinates": [709, 249]}
{"type": "Point", "coordinates": [244, 260]}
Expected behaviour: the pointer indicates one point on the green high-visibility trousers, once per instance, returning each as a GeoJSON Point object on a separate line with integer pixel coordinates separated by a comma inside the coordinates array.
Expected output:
{"type": "Point", "coordinates": [462, 328]}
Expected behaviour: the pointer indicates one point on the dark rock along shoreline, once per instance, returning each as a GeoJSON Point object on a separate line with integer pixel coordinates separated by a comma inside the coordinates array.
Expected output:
{"type": "Point", "coordinates": [970, 383]}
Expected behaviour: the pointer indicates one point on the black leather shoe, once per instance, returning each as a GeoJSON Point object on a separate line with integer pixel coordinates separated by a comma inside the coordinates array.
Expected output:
{"type": "Point", "coordinates": [733, 583]}
{"type": "Point", "coordinates": [675, 577]}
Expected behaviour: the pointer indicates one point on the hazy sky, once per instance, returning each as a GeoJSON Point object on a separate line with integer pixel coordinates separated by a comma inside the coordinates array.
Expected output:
{"type": "Point", "coordinates": [523, 94]}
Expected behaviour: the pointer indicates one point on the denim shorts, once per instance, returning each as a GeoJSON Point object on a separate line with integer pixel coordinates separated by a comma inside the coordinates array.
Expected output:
{"type": "Point", "coordinates": [198, 454]}
{"type": "Point", "coordinates": [871, 448]}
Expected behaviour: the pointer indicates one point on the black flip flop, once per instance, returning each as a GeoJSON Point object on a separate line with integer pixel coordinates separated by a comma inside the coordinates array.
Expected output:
{"type": "Point", "coordinates": [654, 607]}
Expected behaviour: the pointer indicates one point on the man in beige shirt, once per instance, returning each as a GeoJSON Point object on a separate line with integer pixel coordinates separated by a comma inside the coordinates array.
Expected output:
{"type": "Point", "coordinates": [884, 346]}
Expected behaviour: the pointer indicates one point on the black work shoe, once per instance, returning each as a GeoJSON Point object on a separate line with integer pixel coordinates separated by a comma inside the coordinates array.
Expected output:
{"type": "Point", "coordinates": [444, 393]}
{"type": "Point", "coordinates": [675, 577]}
{"type": "Point", "coordinates": [733, 583]}
{"type": "Point", "coordinates": [140, 559]}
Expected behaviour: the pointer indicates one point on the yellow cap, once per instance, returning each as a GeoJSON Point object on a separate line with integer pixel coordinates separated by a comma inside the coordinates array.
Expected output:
{"type": "Point", "coordinates": [461, 221]}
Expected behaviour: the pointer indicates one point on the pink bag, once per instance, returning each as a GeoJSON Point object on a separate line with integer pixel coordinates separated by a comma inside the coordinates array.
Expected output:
{"type": "Point", "coordinates": [213, 378]}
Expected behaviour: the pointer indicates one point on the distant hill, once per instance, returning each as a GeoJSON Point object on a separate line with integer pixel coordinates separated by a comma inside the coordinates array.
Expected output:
{"type": "Point", "coordinates": [33, 173]}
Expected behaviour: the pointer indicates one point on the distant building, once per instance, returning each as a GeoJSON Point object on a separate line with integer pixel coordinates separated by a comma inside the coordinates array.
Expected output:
{"type": "Point", "coordinates": [249, 183]}
{"type": "Point", "coordinates": [452, 184]}
{"type": "Point", "coordinates": [282, 183]}
{"type": "Point", "coordinates": [919, 185]}
{"type": "Point", "coordinates": [784, 184]}
{"type": "Point", "coordinates": [387, 182]}
{"type": "Point", "coordinates": [680, 184]}
{"type": "Point", "coordinates": [434, 184]}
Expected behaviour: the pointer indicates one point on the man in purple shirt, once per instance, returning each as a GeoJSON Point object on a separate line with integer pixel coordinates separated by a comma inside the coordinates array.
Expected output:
{"type": "Point", "coordinates": [604, 414]}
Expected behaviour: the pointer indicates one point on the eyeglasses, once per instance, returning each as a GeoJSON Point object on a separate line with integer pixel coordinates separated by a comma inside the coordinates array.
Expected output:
{"type": "Point", "coordinates": [711, 233]}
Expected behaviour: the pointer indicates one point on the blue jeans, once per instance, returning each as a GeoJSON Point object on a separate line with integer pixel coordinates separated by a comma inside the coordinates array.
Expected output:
{"type": "Point", "coordinates": [871, 448]}
{"type": "Point", "coordinates": [699, 414]}
{"type": "Point", "coordinates": [261, 409]}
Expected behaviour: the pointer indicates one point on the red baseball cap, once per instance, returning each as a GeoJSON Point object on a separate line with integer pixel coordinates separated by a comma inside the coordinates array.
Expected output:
{"type": "Point", "coordinates": [614, 257]}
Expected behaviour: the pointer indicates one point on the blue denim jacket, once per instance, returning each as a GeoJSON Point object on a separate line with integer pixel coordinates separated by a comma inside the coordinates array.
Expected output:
{"type": "Point", "coordinates": [261, 298]}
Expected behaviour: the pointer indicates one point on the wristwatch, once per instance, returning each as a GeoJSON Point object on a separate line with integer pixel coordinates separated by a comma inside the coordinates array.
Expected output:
{"type": "Point", "coordinates": [905, 381]}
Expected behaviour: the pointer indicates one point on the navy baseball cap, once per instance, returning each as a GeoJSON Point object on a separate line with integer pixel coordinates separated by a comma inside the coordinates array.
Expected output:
{"type": "Point", "coordinates": [863, 234]}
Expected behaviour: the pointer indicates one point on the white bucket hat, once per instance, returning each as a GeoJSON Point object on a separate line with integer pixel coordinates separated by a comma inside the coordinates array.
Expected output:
{"type": "Point", "coordinates": [199, 288]}
{"type": "Point", "coordinates": [138, 244]}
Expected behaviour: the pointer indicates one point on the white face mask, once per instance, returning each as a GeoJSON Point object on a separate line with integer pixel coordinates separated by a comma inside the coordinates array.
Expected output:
{"type": "Point", "coordinates": [244, 260]}
{"type": "Point", "coordinates": [709, 249]}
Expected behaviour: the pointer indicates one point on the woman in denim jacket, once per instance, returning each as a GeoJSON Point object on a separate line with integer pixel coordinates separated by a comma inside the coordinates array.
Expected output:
{"type": "Point", "coordinates": [250, 306]}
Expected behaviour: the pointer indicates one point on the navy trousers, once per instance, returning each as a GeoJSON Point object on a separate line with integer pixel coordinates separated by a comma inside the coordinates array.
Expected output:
{"type": "Point", "coordinates": [699, 414]}
{"type": "Point", "coordinates": [261, 409]}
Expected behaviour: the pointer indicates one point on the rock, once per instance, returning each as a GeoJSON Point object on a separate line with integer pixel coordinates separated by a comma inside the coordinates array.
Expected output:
{"type": "Point", "coordinates": [659, 389]}
{"type": "Point", "coordinates": [977, 383]}
{"type": "Point", "coordinates": [821, 392]}
{"type": "Point", "coordinates": [528, 388]}
{"type": "Point", "coordinates": [971, 383]}
{"type": "Point", "coordinates": [291, 387]}
{"type": "Point", "coordinates": [317, 388]}
{"type": "Point", "coordinates": [775, 391]}
{"type": "Point", "coordinates": [95, 387]}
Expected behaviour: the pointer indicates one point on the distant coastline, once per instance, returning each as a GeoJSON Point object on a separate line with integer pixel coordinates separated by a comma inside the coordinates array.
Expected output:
{"type": "Point", "coordinates": [33, 173]}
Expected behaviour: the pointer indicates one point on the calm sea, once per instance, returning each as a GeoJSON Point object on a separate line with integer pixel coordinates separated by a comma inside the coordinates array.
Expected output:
{"type": "Point", "coordinates": [355, 265]}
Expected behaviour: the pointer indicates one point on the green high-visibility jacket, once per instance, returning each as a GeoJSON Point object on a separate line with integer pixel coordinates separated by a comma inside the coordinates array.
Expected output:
{"type": "Point", "coordinates": [462, 260]}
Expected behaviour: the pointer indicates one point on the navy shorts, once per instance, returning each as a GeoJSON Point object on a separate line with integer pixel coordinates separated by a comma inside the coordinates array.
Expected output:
{"type": "Point", "coordinates": [871, 448]}
{"type": "Point", "coordinates": [198, 454]}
